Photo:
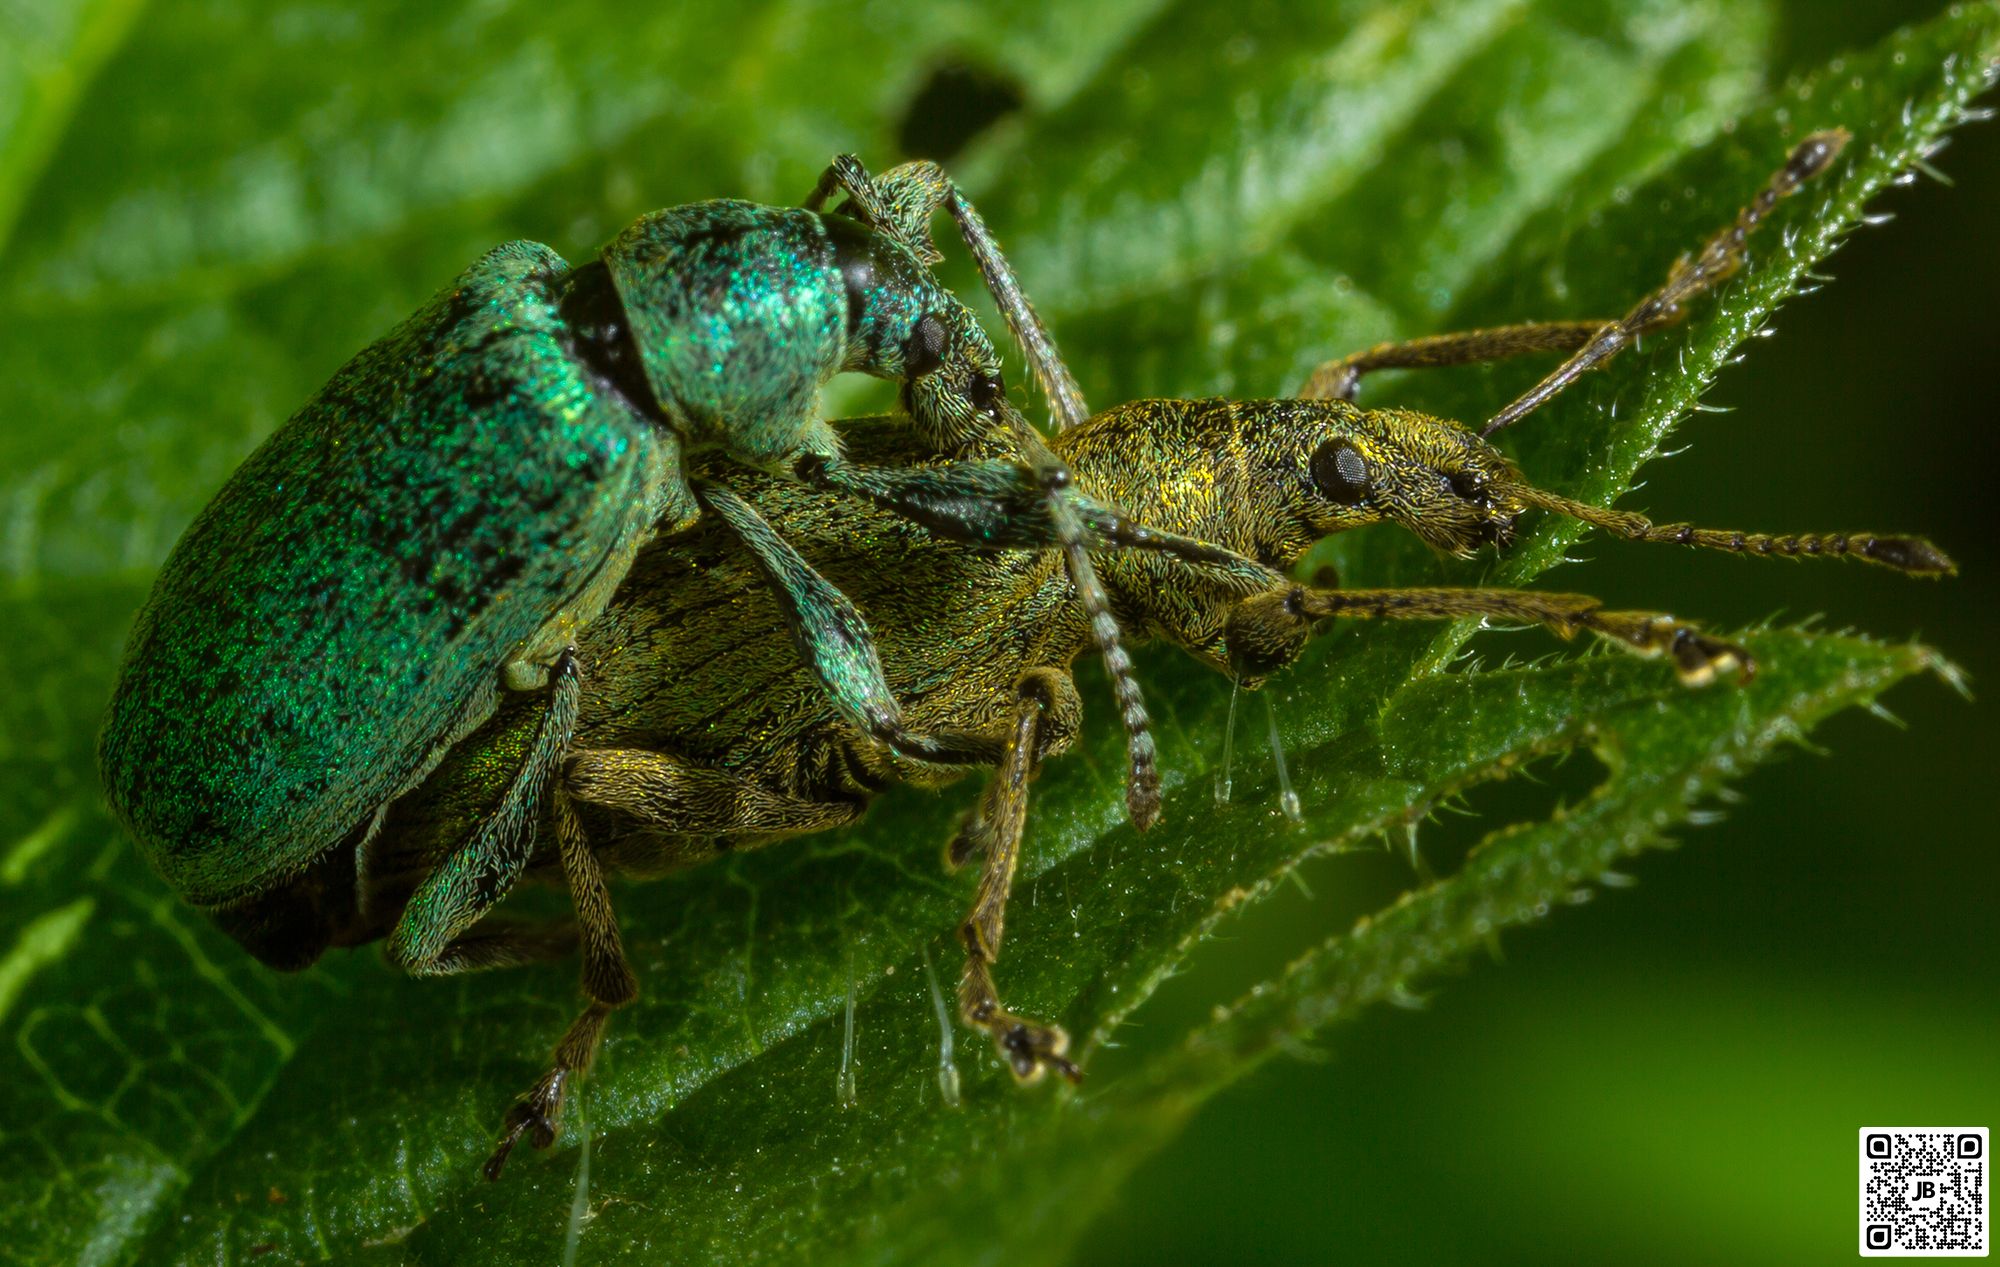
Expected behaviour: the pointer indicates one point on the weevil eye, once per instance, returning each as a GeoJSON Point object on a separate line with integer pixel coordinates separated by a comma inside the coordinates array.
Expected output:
{"type": "Point", "coordinates": [925, 351]}
{"type": "Point", "coordinates": [1469, 486]}
{"type": "Point", "coordinates": [1340, 472]}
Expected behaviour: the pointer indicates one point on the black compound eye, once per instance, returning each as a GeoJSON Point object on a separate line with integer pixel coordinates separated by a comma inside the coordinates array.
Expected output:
{"type": "Point", "coordinates": [1340, 472]}
{"type": "Point", "coordinates": [1469, 486]}
{"type": "Point", "coordinates": [925, 351]}
{"type": "Point", "coordinates": [987, 391]}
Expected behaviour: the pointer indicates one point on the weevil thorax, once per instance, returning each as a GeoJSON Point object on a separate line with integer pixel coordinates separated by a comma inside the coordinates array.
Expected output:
{"type": "Point", "coordinates": [740, 312]}
{"type": "Point", "coordinates": [737, 314]}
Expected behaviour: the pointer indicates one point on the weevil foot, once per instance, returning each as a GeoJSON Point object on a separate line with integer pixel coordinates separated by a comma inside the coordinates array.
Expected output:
{"type": "Point", "coordinates": [538, 1115]}
{"type": "Point", "coordinates": [1700, 659]}
{"type": "Point", "coordinates": [1032, 1049]}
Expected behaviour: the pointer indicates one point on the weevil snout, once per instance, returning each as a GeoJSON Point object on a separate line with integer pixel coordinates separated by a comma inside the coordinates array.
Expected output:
{"type": "Point", "coordinates": [1465, 514]}
{"type": "Point", "coordinates": [1472, 498]}
{"type": "Point", "coordinates": [1494, 513]}
{"type": "Point", "coordinates": [1498, 532]}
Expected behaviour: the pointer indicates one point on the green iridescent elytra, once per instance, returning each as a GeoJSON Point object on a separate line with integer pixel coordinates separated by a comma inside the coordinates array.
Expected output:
{"type": "Point", "coordinates": [725, 696]}
{"type": "Point", "coordinates": [440, 520]}
{"type": "Point", "coordinates": [344, 605]}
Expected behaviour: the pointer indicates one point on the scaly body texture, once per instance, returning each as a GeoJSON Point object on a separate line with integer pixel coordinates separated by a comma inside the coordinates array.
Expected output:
{"type": "Point", "coordinates": [703, 733]}
{"type": "Point", "coordinates": [444, 516]}
{"type": "Point", "coordinates": [343, 606]}
{"type": "Point", "coordinates": [736, 698]}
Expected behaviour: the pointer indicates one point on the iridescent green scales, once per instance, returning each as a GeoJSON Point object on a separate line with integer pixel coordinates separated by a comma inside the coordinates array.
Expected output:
{"type": "Point", "coordinates": [343, 606]}
{"type": "Point", "coordinates": [445, 516]}
{"type": "Point", "coordinates": [392, 668]}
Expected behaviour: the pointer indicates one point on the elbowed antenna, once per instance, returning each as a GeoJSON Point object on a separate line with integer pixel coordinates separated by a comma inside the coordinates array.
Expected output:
{"type": "Point", "coordinates": [1142, 770]}
{"type": "Point", "coordinates": [901, 201]}
{"type": "Point", "coordinates": [1050, 370]}
{"type": "Point", "coordinates": [1912, 555]}
{"type": "Point", "coordinates": [1142, 783]}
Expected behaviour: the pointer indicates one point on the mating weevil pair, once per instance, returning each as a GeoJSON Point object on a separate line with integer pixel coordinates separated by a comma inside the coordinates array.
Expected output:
{"type": "Point", "coordinates": [703, 731]}
{"type": "Point", "coordinates": [465, 495]}
{"type": "Point", "coordinates": [702, 727]}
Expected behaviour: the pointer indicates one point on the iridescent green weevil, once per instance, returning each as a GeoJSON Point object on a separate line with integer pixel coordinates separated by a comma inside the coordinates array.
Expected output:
{"type": "Point", "coordinates": [442, 518]}
{"type": "Point", "coordinates": [702, 731]}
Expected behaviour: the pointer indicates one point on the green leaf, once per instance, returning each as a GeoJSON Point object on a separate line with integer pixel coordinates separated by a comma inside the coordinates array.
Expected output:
{"type": "Point", "coordinates": [1203, 200]}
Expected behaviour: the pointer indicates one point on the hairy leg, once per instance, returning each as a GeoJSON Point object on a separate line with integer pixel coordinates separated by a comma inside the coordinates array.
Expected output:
{"type": "Point", "coordinates": [1047, 706]}
{"type": "Point", "coordinates": [1268, 630]}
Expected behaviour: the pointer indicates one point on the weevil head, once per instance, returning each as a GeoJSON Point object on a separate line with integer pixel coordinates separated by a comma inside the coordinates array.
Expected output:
{"type": "Point", "coordinates": [1286, 473]}
{"type": "Point", "coordinates": [954, 389]}
{"type": "Point", "coordinates": [900, 319]}
{"type": "Point", "coordinates": [1268, 478]}
{"type": "Point", "coordinates": [902, 324]}
{"type": "Point", "coordinates": [1451, 489]}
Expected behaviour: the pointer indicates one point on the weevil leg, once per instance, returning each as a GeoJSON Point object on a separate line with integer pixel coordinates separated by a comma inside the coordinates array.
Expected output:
{"type": "Point", "coordinates": [1588, 343]}
{"type": "Point", "coordinates": [833, 639]}
{"type": "Point", "coordinates": [1060, 709]}
{"type": "Point", "coordinates": [1718, 259]}
{"type": "Point", "coordinates": [538, 1114]}
{"type": "Point", "coordinates": [677, 797]}
{"type": "Point", "coordinates": [1048, 705]}
{"type": "Point", "coordinates": [478, 872]}
{"type": "Point", "coordinates": [902, 203]}
{"type": "Point", "coordinates": [1268, 630]}
{"type": "Point", "coordinates": [503, 943]}
{"type": "Point", "coordinates": [899, 202]}
{"type": "Point", "coordinates": [999, 505]}
{"type": "Point", "coordinates": [1341, 379]}
{"type": "Point", "coordinates": [888, 210]}
{"type": "Point", "coordinates": [607, 976]}
{"type": "Point", "coordinates": [608, 982]}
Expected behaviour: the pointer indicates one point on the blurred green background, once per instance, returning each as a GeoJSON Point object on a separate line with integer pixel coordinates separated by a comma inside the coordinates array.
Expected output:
{"type": "Point", "coordinates": [1674, 1073]}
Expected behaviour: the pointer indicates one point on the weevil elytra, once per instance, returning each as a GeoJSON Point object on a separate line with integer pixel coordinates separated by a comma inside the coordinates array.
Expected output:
{"type": "Point", "coordinates": [462, 498]}
{"type": "Point", "coordinates": [702, 731]}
